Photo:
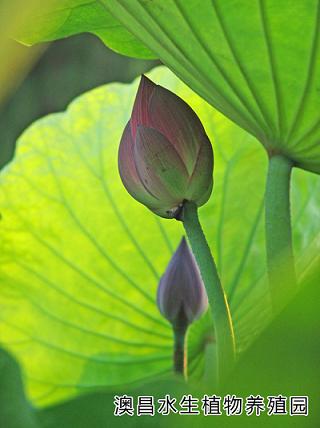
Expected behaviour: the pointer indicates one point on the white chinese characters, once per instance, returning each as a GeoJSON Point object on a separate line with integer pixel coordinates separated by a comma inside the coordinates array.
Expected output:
{"type": "Point", "coordinates": [212, 405]}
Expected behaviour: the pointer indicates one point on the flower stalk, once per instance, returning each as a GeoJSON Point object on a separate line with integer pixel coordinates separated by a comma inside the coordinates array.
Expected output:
{"type": "Point", "coordinates": [224, 334]}
{"type": "Point", "coordinates": [180, 359]}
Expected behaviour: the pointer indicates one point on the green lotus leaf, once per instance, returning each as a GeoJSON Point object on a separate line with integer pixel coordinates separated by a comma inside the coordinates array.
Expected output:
{"type": "Point", "coordinates": [80, 259]}
{"type": "Point", "coordinates": [257, 62]}
{"type": "Point", "coordinates": [56, 19]}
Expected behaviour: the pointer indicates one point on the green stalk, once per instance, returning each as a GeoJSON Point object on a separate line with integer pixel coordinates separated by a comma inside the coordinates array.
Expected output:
{"type": "Point", "coordinates": [222, 321]}
{"type": "Point", "coordinates": [280, 258]}
{"type": "Point", "coordinates": [180, 351]}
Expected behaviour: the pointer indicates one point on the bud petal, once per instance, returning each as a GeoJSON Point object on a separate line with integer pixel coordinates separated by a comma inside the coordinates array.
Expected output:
{"type": "Point", "coordinates": [159, 166]}
{"type": "Point", "coordinates": [171, 116]}
{"type": "Point", "coordinates": [140, 111]}
{"type": "Point", "coordinates": [200, 181]}
{"type": "Point", "coordinates": [181, 291]}
{"type": "Point", "coordinates": [128, 171]}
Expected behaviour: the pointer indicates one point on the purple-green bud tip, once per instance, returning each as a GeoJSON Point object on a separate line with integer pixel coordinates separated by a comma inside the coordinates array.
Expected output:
{"type": "Point", "coordinates": [182, 297]}
{"type": "Point", "coordinates": [165, 156]}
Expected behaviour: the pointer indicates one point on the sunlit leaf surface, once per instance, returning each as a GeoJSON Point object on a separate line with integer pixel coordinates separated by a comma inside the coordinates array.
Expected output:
{"type": "Point", "coordinates": [80, 259]}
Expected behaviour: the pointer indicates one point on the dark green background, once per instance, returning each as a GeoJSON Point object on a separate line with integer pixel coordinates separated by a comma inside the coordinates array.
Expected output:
{"type": "Point", "coordinates": [68, 68]}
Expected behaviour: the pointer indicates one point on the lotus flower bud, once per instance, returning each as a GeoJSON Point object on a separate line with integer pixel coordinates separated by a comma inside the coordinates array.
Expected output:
{"type": "Point", "coordinates": [165, 156]}
{"type": "Point", "coordinates": [182, 297]}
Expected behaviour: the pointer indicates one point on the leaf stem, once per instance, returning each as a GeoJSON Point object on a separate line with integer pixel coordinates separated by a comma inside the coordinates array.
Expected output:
{"type": "Point", "coordinates": [280, 258]}
{"type": "Point", "coordinates": [224, 336]}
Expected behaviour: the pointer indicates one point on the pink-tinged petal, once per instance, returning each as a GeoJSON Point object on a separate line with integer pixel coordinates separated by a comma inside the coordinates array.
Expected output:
{"type": "Point", "coordinates": [159, 166]}
{"type": "Point", "coordinates": [128, 171]}
{"type": "Point", "coordinates": [171, 116]}
{"type": "Point", "coordinates": [140, 111]}
{"type": "Point", "coordinates": [201, 180]}
{"type": "Point", "coordinates": [181, 289]}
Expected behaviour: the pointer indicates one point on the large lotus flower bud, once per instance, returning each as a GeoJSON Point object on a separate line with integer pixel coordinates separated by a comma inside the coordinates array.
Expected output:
{"type": "Point", "coordinates": [182, 297]}
{"type": "Point", "coordinates": [165, 156]}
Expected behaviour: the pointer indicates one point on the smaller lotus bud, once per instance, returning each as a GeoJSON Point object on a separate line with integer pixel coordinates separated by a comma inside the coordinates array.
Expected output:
{"type": "Point", "coordinates": [165, 156]}
{"type": "Point", "coordinates": [182, 297]}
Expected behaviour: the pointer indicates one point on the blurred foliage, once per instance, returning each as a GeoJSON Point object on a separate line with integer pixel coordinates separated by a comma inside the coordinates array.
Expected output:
{"type": "Point", "coordinates": [67, 68]}
{"type": "Point", "coordinates": [15, 410]}
{"type": "Point", "coordinates": [56, 19]}
{"type": "Point", "coordinates": [16, 60]}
